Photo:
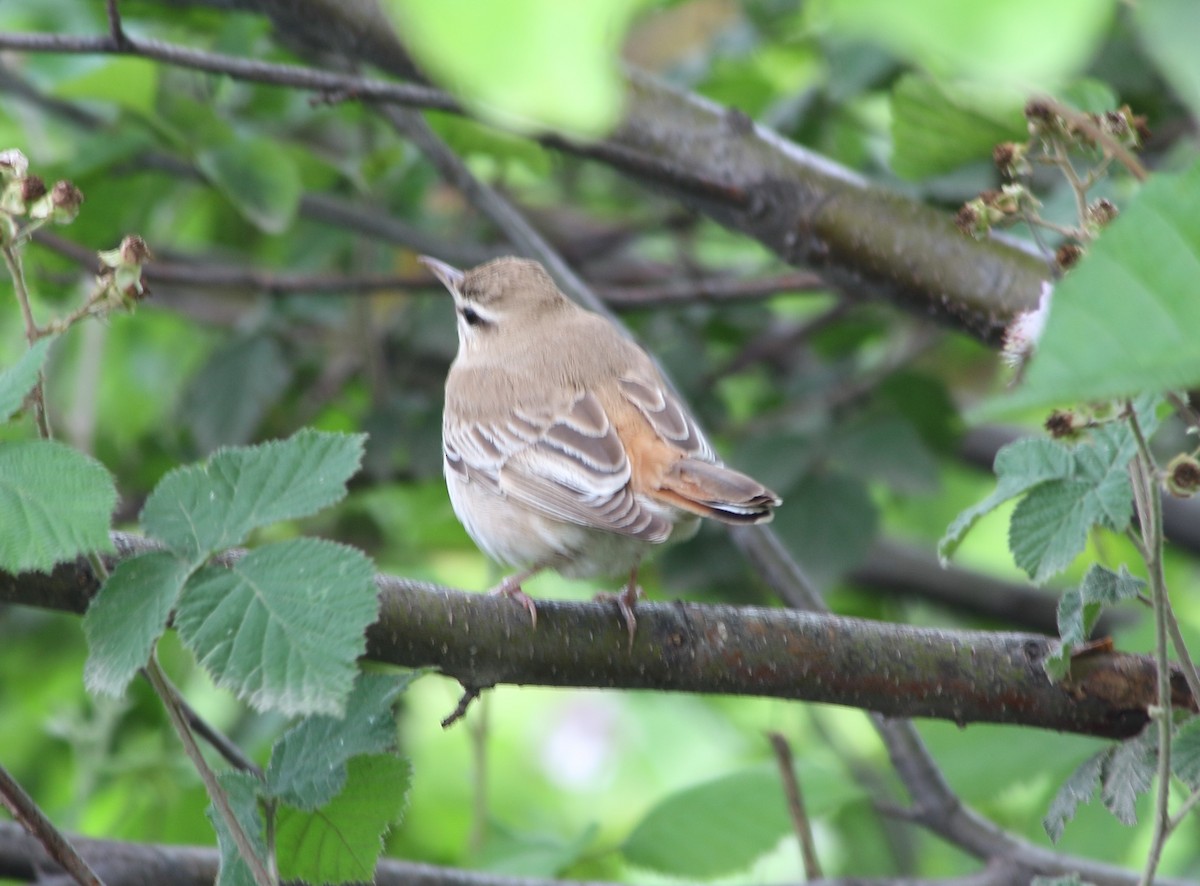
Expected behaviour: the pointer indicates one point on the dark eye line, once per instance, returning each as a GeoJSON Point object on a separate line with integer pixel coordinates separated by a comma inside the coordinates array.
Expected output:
{"type": "Point", "coordinates": [472, 317]}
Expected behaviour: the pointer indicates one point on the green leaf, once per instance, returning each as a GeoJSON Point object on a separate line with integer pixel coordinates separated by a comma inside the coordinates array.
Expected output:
{"type": "Point", "coordinates": [829, 524]}
{"type": "Point", "coordinates": [1185, 753]}
{"type": "Point", "coordinates": [1049, 527]}
{"type": "Point", "coordinates": [473, 49]}
{"type": "Point", "coordinates": [261, 181]}
{"type": "Point", "coordinates": [55, 504]}
{"type": "Point", "coordinates": [341, 842]}
{"type": "Point", "coordinates": [1079, 788]}
{"type": "Point", "coordinates": [241, 788]}
{"type": "Point", "coordinates": [1128, 774]}
{"type": "Point", "coordinates": [1019, 466]}
{"type": "Point", "coordinates": [1103, 586]}
{"type": "Point", "coordinates": [225, 401]}
{"type": "Point", "coordinates": [201, 509]}
{"type": "Point", "coordinates": [308, 764]}
{"type": "Point", "coordinates": [1167, 29]}
{"type": "Point", "coordinates": [1079, 608]}
{"type": "Point", "coordinates": [283, 626]}
{"type": "Point", "coordinates": [887, 447]}
{"type": "Point", "coordinates": [128, 616]}
{"type": "Point", "coordinates": [938, 126]}
{"type": "Point", "coordinates": [723, 825]}
{"type": "Point", "coordinates": [1028, 43]}
{"type": "Point", "coordinates": [127, 82]}
{"type": "Point", "coordinates": [18, 380]}
{"type": "Point", "coordinates": [1124, 320]}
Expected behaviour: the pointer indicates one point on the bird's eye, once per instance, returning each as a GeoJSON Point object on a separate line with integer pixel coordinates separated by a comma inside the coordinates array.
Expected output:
{"type": "Point", "coordinates": [472, 318]}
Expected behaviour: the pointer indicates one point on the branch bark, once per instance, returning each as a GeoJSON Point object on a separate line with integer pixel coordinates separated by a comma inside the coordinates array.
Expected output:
{"type": "Point", "coordinates": [894, 670]}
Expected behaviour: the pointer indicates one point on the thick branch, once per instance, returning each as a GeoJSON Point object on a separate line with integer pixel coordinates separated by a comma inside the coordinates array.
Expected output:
{"type": "Point", "coordinates": [896, 670]}
{"type": "Point", "coordinates": [716, 160]}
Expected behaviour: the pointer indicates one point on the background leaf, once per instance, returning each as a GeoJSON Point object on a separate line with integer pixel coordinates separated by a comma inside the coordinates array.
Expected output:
{"type": "Point", "coordinates": [723, 825]}
{"type": "Point", "coordinates": [260, 180]}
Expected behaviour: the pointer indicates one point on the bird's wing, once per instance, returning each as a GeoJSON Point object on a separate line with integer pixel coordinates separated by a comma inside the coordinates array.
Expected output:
{"type": "Point", "coordinates": [666, 415]}
{"type": "Point", "coordinates": [566, 462]}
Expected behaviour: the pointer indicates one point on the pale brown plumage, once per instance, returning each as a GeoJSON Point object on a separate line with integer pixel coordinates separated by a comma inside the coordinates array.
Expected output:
{"type": "Point", "coordinates": [564, 447]}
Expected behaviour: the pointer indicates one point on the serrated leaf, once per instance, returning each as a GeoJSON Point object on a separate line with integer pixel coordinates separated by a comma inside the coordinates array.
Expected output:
{"type": "Point", "coordinates": [55, 504]}
{"type": "Point", "coordinates": [938, 126]}
{"type": "Point", "coordinates": [1185, 753]}
{"type": "Point", "coordinates": [1104, 586]}
{"type": "Point", "coordinates": [128, 616]}
{"type": "Point", "coordinates": [1128, 774]}
{"type": "Point", "coordinates": [1123, 320]}
{"type": "Point", "coordinates": [18, 380]}
{"type": "Point", "coordinates": [723, 825]}
{"type": "Point", "coordinates": [1019, 466]}
{"type": "Point", "coordinates": [1049, 528]}
{"type": "Point", "coordinates": [1075, 620]}
{"type": "Point", "coordinates": [283, 626]}
{"type": "Point", "coordinates": [308, 764]}
{"type": "Point", "coordinates": [261, 181]}
{"type": "Point", "coordinates": [201, 509]}
{"type": "Point", "coordinates": [241, 788]}
{"type": "Point", "coordinates": [1079, 788]}
{"type": "Point", "coordinates": [341, 842]}
{"type": "Point", "coordinates": [226, 400]}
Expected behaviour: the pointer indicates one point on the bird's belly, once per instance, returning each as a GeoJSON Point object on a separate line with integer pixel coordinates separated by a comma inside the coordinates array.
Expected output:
{"type": "Point", "coordinates": [517, 536]}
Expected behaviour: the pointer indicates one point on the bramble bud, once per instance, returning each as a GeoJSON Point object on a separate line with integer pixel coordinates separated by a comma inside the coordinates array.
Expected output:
{"type": "Point", "coordinates": [1010, 158]}
{"type": "Point", "coordinates": [1061, 423]}
{"type": "Point", "coordinates": [1067, 255]}
{"type": "Point", "coordinates": [1183, 476]}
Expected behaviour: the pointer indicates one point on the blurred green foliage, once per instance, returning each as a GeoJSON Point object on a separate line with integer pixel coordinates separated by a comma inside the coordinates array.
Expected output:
{"type": "Point", "coordinates": [853, 416]}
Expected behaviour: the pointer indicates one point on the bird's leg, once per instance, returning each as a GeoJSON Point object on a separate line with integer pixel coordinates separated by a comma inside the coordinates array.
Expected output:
{"type": "Point", "coordinates": [626, 600]}
{"type": "Point", "coordinates": [511, 587]}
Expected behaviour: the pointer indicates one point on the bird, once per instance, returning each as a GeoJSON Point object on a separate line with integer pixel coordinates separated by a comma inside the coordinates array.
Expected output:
{"type": "Point", "coordinates": [563, 446]}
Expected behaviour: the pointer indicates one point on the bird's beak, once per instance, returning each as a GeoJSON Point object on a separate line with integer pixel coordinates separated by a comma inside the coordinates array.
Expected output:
{"type": "Point", "coordinates": [450, 276]}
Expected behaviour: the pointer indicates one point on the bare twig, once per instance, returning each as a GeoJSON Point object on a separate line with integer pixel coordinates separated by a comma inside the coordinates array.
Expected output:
{"type": "Point", "coordinates": [795, 800]}
{"type": "Point", "coordinates": [26, 811]}
{"type": "Point", "coordinates": [170, 699]}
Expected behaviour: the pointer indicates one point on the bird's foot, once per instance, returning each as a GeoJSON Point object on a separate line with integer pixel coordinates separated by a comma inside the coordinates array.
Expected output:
{"type": "Point", "coordinates": [511, 588]}
{"type": "Point", "coordinates": [626, 600]}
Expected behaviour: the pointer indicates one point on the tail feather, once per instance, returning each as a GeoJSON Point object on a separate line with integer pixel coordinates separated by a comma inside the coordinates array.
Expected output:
{"type": "Point", "coordinates": [718, 492]}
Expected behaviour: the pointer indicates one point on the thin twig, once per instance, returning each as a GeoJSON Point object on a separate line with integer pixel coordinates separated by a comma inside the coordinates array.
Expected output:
{"type": "Point", "coordinates": [1149, 506]}
{"type": "Point", "coordinates": [170, 700]}
{"type": "Point", "coordinates": [1088, 127]}
{"type": "Point", "coordinates": [218, 740]}
{"type": "Point", "coordinates": [12, 258]}
{"type": "Point", "coordinates": [470, 693]}
{"type": "Point", "coordinates": [795, 799]}
{"type": "Point", "coordinates": [26, 811]}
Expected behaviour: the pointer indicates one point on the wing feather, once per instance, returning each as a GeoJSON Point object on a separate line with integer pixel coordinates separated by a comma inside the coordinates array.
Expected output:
{"type": "Point", "coordinates": [567, 463]}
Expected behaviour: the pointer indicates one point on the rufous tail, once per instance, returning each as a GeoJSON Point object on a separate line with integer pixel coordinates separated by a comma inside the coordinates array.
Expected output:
{"type": "Point", "coordinates": [718, 492]}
